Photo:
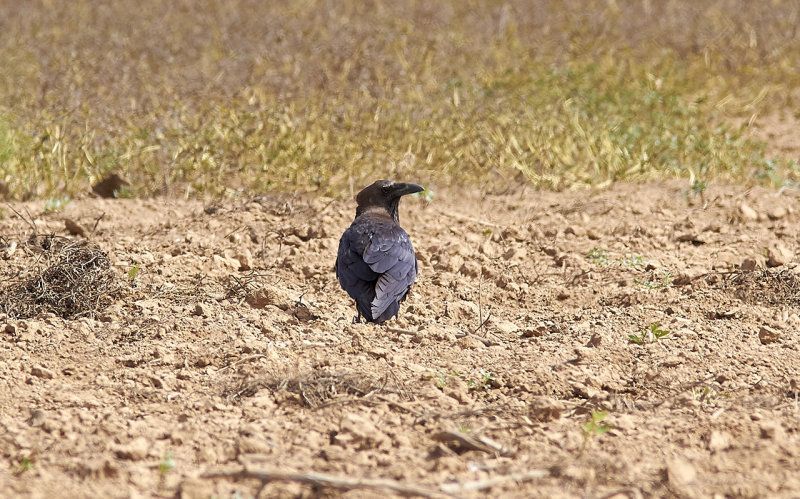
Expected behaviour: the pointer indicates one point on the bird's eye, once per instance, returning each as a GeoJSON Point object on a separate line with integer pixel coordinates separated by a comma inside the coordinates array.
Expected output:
{"type": "Point", "coordinates": [385, 189]}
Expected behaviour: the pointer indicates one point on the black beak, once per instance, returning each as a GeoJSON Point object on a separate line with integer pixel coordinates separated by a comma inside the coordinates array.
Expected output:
{"type": "Point", "coordinates": [403, 188]}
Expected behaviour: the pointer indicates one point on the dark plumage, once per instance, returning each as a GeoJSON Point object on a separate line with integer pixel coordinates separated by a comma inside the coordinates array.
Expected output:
{"type": "Point", "coordinates": [376, 264]}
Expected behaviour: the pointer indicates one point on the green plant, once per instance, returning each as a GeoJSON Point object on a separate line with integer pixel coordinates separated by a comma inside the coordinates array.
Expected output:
{"type": "Point", "coordinates": [166, 464]}
{"type": "Point", "coordinates": [484, 383]}
{"type": "Point", "coordinates": [659, 281]}
{"type": "Point", "coordinates": [595, 425]}
{"type": "Point", "coordinates": [599, 256]}
{"type": "Point", "coordinates": [133, 272]}
{"type": "Point", "coordinates": [651, 334]}
{"type": "Point", "coordinates": [24, 464]}
{"type": "Point", "coordinates": [634, 261]}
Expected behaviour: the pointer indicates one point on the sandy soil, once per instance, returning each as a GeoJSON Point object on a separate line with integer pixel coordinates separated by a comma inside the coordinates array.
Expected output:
{"type": "Point", "coordinates": [234, 347]}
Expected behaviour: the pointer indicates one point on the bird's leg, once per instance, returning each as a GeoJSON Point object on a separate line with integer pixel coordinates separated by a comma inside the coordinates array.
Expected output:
{"type": "Point", "coordinates": [357, 319]}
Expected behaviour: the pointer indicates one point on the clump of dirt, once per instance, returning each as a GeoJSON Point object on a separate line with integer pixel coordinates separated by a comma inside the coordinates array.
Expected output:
{"type": "Point", "coordinates": [70, 279]}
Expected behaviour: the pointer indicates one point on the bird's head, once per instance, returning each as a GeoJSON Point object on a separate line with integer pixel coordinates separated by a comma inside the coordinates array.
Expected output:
{"type": "Point", "coordinates": [385, 194]}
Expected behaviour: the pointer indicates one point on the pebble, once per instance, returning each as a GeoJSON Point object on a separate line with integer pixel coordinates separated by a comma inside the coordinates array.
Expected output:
{"type": "Point", "coordinates": [42, 372]}
{"type": "Point", "coordinates": [768, 335]}
{"type": "Point", "coordinates": [747, 212]}
{"type": "Point", "coordinates": [778, 254]}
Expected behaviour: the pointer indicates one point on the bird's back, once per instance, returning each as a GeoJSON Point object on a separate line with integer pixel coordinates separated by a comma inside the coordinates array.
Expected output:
{"type": "Point", "coordinates": [376, 265]}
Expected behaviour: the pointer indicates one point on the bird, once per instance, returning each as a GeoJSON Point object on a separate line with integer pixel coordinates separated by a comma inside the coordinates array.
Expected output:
{"type": "Point", "coordinates": [375, 263]}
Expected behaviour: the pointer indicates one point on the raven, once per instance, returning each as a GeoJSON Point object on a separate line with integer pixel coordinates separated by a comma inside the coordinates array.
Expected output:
{"type": "Point", "coordinates": [376, 264]}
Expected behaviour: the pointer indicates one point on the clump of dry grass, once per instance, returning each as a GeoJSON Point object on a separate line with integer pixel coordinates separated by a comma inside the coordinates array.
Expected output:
{"type": "Point", "coordinates": [312, 390]}
{"type": "Point", "coordinates": [260, 96]}
{"type": "Point", "coordinates": [69, 279]}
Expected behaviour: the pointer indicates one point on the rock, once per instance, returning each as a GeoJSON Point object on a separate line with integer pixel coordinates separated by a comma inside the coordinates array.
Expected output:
{"type": "Point", "coordinates": [245, 259]}
{"type": "Point", "coordinates": [74, 227]}
{"type": "Point", "coordinates": [41, 372]}
{"type": "Point", "coordinates": [464, 312]}
{"type": "Point", "coordinates": [747, 212]}
{"type": "Point", "coordinates": [506, 327]}
{"type": "Point", "coordinates": [546, 408]}
{"type": "Point", "coordinates": [768, 335]}
{"type": "Point", "coordinates": [469, 342]}
{"type": "Point", "coordinates": [223, 263]}
{"type": "Point", "coordinates": [269, 295]}
{"type": "Point", "coordinates": [771, 430]}
{"type": "Point", "coordinates": [719, 441]}
{"type": "Point", "coordinates": [253, 445]}
{"type": "Point", "coordinates": [359, 431]}
{"type": "Point", "coordinates": [680, 472]}
{"type": "Point", "coordinates": [595, 340]}
{"type": "Point", "coordinates": [470, 269]}
{"type": "Point", "coordinates": [136, 450]}
{"type": "Point", "coordinates": [748, 265]}
{"type": "Point", "coordinates": [777, 212]}
{"type": "Point", "coordinates": [778, 254]}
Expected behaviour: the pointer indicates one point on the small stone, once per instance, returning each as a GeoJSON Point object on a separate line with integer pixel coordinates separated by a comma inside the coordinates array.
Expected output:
{"type": "Point", "coordinates": [253, 445]}
{"type": "Point", "coordinates": [379, 353]}
{"type": "Point", "coordinates": [768, 335]}
{"type": "Point", "coordinates": [546, 408]}
{"type": "Point", "coordinates": [747, 212]}
{"type": "Point", "coordinates": [778, 254]}
{"type": "Point", "coordinates": [777, 212]}
{"type": "Point", "coordinates": [748, 265]}
{"type": "Point", "coordinates": [594, 341]}
{"type": "Point", "coordinates": [680, 472]}
{"type": "Point", "coordinates": [202, 310]}
{"type": "Point", "coordinates": [41, 372]}
{"type": "Point", "coordinates": [719, 441]}
{"type": "Point", "coordinates": [136, 450]}
{"type": "Point", "coordinates": [269, 295]}
{"type": "Point", "coordinates": [771, 430]}
{"type": "Point", "coordinates": [469, 342]}
{"type": "Point", "coordinates": [74, 227]}
{"type": "Point", "coordinates": [245, 259]}
{"type": "Point", "coordinates": [506, 327]}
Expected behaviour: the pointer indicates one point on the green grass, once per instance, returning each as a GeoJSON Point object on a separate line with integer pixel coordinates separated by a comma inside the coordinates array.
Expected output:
{"type": "Point", "coordinates": [228, 98]}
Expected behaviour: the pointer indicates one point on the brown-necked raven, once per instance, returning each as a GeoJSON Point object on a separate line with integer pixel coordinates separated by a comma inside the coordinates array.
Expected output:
{"type": "Point", "coordinates": [376, 264]}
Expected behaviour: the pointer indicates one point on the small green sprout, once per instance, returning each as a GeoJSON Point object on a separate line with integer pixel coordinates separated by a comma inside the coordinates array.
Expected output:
{"type": "Point", "coordinates": [599, 256]}
{"type": "Point", "coordinates": [652, 334]}
{"type": "Point", "coordinates": [596, 426]}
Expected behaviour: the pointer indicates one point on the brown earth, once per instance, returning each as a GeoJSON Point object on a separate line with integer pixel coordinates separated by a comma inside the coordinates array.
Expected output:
{"type": "Point", "coordinates": [232, 345]}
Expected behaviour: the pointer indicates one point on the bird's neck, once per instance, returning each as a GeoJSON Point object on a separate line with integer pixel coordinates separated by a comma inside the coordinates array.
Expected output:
{"type": "Point", "coordinates": [392, 210]}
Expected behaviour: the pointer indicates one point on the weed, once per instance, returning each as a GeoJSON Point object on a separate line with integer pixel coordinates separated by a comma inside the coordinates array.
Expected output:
{"type": "Point", "coordinates": [24, 464]}
{"type": "Point", "coordinates": [484, 383]}
{"type": "Point", "coordinates": [133, 272]}
{"type": "Point", "coordinates": [651, 334]}
{"type": "Point", "coordinates": [166, 464]}
{"type": "Point", "coordinates": [634, 261]}
{"type": "Point", "coordinates": [595, 425]}
{"type": "Point", "coordinates": [599, 256]}
{"type": "Point", "coordinates": [660, 281]}
{"type": "Point", "coordinates": [462, 428]}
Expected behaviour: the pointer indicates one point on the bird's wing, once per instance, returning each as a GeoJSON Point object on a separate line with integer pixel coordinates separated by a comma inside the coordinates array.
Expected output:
{"type": "Point", "coordinates": [390, 254]}
{"type": "Point", "coordinates": [355, 276]}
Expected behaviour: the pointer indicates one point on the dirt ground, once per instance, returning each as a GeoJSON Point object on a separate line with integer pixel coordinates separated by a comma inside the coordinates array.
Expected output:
{"type": "Point", "coordinates": [511, 371]}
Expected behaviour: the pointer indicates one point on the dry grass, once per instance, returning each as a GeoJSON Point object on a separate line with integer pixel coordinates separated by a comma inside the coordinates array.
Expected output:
{"type": "Point", "coordinates": [69, 278]}
{"type": "Point", "coordinates": [208, 98]}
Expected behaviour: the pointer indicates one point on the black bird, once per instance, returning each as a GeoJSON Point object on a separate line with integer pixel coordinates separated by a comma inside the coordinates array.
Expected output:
{"type": "Point", "coordinates": [376, 264]}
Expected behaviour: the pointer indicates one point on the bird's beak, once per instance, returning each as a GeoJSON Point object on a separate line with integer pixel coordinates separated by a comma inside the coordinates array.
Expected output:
{"type": "Point", "coordinates": [403, 188]}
